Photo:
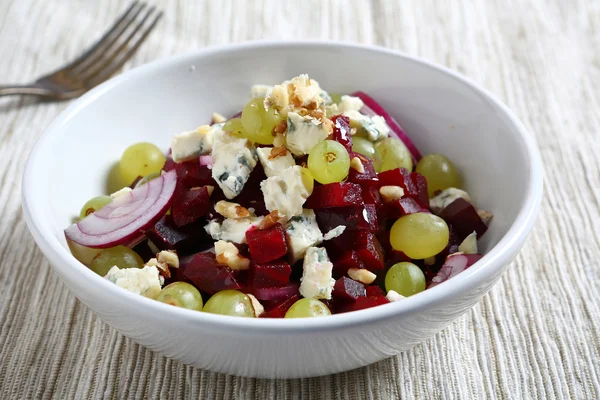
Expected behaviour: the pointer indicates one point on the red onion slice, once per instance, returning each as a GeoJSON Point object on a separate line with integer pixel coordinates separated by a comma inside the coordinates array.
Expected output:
{"type": "Point", "coordinates": [275, 293]}
{"type": "Point", "coordinates": [121, 222]}
{"type": "Point", "coordinates": [373, 108]}
{"type": "Point", "coordinates": [454, 265]}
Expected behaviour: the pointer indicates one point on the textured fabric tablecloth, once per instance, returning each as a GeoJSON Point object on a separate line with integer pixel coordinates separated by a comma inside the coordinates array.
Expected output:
{"type": "Point", "coordinates": [535, 335]}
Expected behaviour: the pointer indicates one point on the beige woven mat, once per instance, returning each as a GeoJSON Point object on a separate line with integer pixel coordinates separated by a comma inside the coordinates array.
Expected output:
{"type": "Point", "coordinates": [536, 335]}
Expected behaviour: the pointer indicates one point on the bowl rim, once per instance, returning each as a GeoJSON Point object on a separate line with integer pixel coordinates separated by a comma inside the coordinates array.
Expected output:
{"type": "Point", "coordinates": [500, 255]}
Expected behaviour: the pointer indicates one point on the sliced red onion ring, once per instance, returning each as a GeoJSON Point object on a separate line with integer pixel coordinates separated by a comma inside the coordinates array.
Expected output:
{"type": "Point", "coordinates": [454, 265]}
{"type": "Point", "coordinates": [121, 222]}
{"type": "Point", "coordinates": [373, 108]}
{"type": "Point", "coordinates": [206, 160]}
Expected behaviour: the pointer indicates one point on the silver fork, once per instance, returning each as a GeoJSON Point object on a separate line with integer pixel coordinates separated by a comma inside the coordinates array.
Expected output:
{"type": "Point", "coordinates": [99, 62]}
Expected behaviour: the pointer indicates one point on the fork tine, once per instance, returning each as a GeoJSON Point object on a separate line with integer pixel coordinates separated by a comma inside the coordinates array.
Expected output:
{"type": "Point", "coordinates": [109, 38]}
{"type": "Point", "coordinates": [108, 66]}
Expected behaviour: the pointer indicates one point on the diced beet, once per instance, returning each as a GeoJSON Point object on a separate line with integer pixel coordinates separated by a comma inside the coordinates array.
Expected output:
{"type": "Point", "coordinates": [169, 164]}
{"type": "Point", "coordinates": [366, 178]}
{"type": "Point", "coordinates": [348, 289]}
{"type": "Point", "coordinates": [421, 184]}
{"type": "Point", "coordinates": [353, 217]}
{"type": "Point", "coordinates": [369, 251]}
{"type": "Point", "coordinates": [275, 293]}
{"type": "Point", "coordinates": [279, 310]}
{"type": "Point", "coordinates": [364, 302]}
{"type": "Point", "coordinates": [401, 207]}
{"type": "Point", "coordinates": [395, 256]}
{"type": "Point", "coordinates": [209, 276]}
{"type": "Point", "coordinates": [374, 291]}
{"type": "Point", "coordinates": [190, 204]}
{"type": "Point", "coordinates": [273, 274]}
{"type": "Point", "coordinates": [251, 195]}
{"type": "Point", "coordinates": [348, 260]}
{"type": "Point", "coordinates": [189, 239]}
{"type": "Point", "coordinates": [338, 194]}
{"type": "Point", "coordinates": [341, 131]}
{"type": "Point", "coordinates": [399, 177]}
{"type": "Point", "coordinates": [463, 216]}
{"type": "Point", "coordinates": [371, 195]}
{"type": "Point", "coordinates": [267, 244]}
{"type": "Point", "coordinates": [192, 174]}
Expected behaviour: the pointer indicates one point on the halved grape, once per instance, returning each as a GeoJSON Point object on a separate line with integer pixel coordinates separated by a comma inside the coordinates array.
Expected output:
{"type": "Point", "coordinates": [392, 154]}
{"type": "Point", "coordinates": [94, 205]}
{"type": "Point", "coordinates": [235, 126]}
{"type": "Point", "coordinates": [336, 98]}
{"type": "Point", "coordinates": [230, 302]}
{"type": "Point", "coordinates": [258, 122]}
{"type": "Point", "coordinates": [363, 146]}
{"type": "Point", "coordinates": [306, 308]}
{"type": "Point", "coordinates": [440, 173]}
{"type": "Point", "coordinates": [405, 278]}
{"type": "Point", "coordinates": [120, 256]}
{"type": "Point", "coordinates": [419, 235]}
{"type": "Point", "coordinates": [141, 159]}
{"type": "Point", "coordinates": [181, 294]}
{"type": "Point", "coordinates": [147, 178]}
{"type": "Point", "coordinates": [307, 180]}
{"type": "Point", "coordinates": [328, 162]}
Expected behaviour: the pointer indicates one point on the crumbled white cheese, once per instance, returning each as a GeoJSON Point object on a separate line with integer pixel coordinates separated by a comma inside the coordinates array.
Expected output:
{"type": "Point", "coordinates": [374, 127]}
{"type": "Point", "coordinates": [302, 232]}
{"type": "Point", "coordinates": [285, 193]}
{"type": "Point", "coordinates": [469, 245]}
{"type": "Point", "coordinates": [393, 296]}
{"type": "Point", "coordinates": [350, 103]}
{"type": "Point", "coordinates": [335, 232]}
{"type": "Point", "coordinates": [446, 197]}
{"type": "Point", "coordinates": [231, 210]}
{"type": "Point", "coordinates": [316, 281]}
{"type": "Point", "coordinates": [228, 254]}
{"type": "Point", "coordinates": [362, 275]}
{"type": "Point", "coordinates": [121, 192]}
{"type": "Point", "coordinates": [260, 91]}
{"type": "Point", "coordinates": [233, 160]}
{"type": "Point", "coordinates": [144, 281]}
{"type": "Point", "coordinates": [391, 193]}
{"type": "Point", "coordinates": [189, 145]}
{"type": "Point", "coordinates": [307, 90]}
{"type": "Point", "coordinates": [232, 230]}
{"type": "Point", "coordinates": [297, 93]}
{"type": "Point", "coordinates": [303, 133]}
{"type": "Point", "coordinates": [274, 166]}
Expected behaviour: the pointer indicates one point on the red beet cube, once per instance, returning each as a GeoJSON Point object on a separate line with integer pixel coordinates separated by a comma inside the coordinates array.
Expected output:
{"type": "Point", "coordinates": [338, 194]}
{"type": "Point", "coordinates": [395, 256]}
{"type": "Point", "coordinates": [400, 207]}
{"type": "Point", "coordinates": [192, 174]}
{"type": "Point", "coordinates": [366, 178]}
{"type": "Point", "coordinates": [421, 184]}
{"type": "Point", "coordinates": [275, 273]}
{"type": "Point", "coordinates": [189, 239]}
{"type": "Point", "coordinates": [279, 309]}
{"type": "Point", "coordinates": [275, 294]}
{"type": "Point", "coordinates": [348, 289]}
{"type": "Point", "coordinates": [374, 291]}
{"type": "Point", "coordinates": [266, 244]}
{"type": "Point", "coordinates": [399, 177]}
{"type": "Point", "coordinates": [353, 217]}
{"type": "Point", "coordinates": [209, 276]}
{"type": "Point", "coordinates": [364, 302]}
{"type": "Point", "coordinates": [169, 164]}
{"type": "Point", "coordinates": [463, 216]}
{"type": "Point", "coordinates": [251, 196]}
{"type": "Point", "coordinates": [190, 204]}
{"type": "Point", "coordinates": [341, 131]}
{"type": "Point", "coordinates": [340, 245]}
{"type": "Point", "coordinates": [369, 251]}
{"type": "Point", "coordinates": [346, 261]}
{"type": "Point", "coordinates": [371, 195]}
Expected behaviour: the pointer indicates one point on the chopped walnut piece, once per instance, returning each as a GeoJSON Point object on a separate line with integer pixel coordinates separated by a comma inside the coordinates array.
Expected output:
{"type": "Point", "coordinates": [231, 210]}
{"type": "Point", "coordinates": [163, 267]}
{"type": "Point", "coordinates": [281, 127]}
{"type": "Point", "coordinates": [277, 152]}
{"type": "Point", "coordinates": [362, 275]}
{"type": "Point", "coordinates": [485, 216]}
{"type": "Point", "coordinates": [169, 257]}
{"type": "Point", "coordinates": [393, 296]}
{"type": "Point", "coordinates": [258, 308]}
{"type": "Point", "coordinates": [357, 165]}
{"type": "Point", "coordinates": [228, 254]}
{"type": "Point", "coordinates": [279, 140]}
{"type": "Point", "coordinates": [210, 189]}
{"type": "Point", "coordinates": [317, 114]}
{"type": "Point", "coordinates": [269, 220]}
{"type": "Point", "coordinates": [391, 193]}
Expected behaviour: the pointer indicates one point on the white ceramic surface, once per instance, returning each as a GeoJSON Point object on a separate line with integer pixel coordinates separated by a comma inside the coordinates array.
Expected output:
{"type": "Point", "coordinates": [440, 110]}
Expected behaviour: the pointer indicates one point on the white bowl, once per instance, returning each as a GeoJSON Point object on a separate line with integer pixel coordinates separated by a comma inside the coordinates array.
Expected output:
{"type": "Point", "coordinates": [441, 111]}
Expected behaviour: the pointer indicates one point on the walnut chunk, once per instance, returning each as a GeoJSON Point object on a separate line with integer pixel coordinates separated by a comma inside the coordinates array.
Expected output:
{"type": "Point", "coordinates": [277, 152]}
{"type": "Point", "coordinates": [168, 257]}
{"type": "Point", "coordinates": [270, 220]}
{"type": "Point", "coordinates": [281, 127]}
{"type": "Point", "coordinates": [391, 193]}
{"type": "Point", "coordinates": [231, 210]}
{"type": "Point", "coordinates": [163, 267]}
{"type": "Point", "coordinates": [357, 165]}
{"type": "Point", "coordinates": [362, 275]}
{"type": "Point", "coordinates": [229, 255]}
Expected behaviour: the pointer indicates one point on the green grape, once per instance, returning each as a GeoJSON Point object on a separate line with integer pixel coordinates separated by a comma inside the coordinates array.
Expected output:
{"type": "Point", "coordinates": [392, 154]}
{"type": "Point", "coordinates": [235, 126]}
{"type": "Point", "coordinates": [181, 294]}
{"type": "Point", "coordinates": [405, 278]}
{"type": "Point", "coordinates": [328, 162]}
{"type": "Point", "coordinates": [147, 179]}
{"type": "Point", "coordinates": [305, 308]}
{"type": "Point", "coordinates": [258, 122]}
{"type": "Point", "coordinates": [363, 146]}
{"type": "Point", "coordinates": [419, 235]}
{"type": "Point", "coordinates": [336, 98]}
{"type": "Point", "coordinates": [141, 159]}
{"type": "Point", "coordinates": [94, 205]}
{"type": "Point", "coordinates": [439, 172]}
{"type": "Point", "coordinates": [307, 180]}
{"type": "Point", "coordinates": [230, 302]}
{"type": "Point", "coordinates": [120, 256]}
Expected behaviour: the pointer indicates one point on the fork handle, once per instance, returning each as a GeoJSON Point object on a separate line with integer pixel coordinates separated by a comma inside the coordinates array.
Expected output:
{"type": "Point", "coordinates": [32, 89]}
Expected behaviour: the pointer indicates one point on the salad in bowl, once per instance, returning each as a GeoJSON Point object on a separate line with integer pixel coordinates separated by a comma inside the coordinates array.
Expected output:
{"type": "Point", "coordinates": [304, 204]}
